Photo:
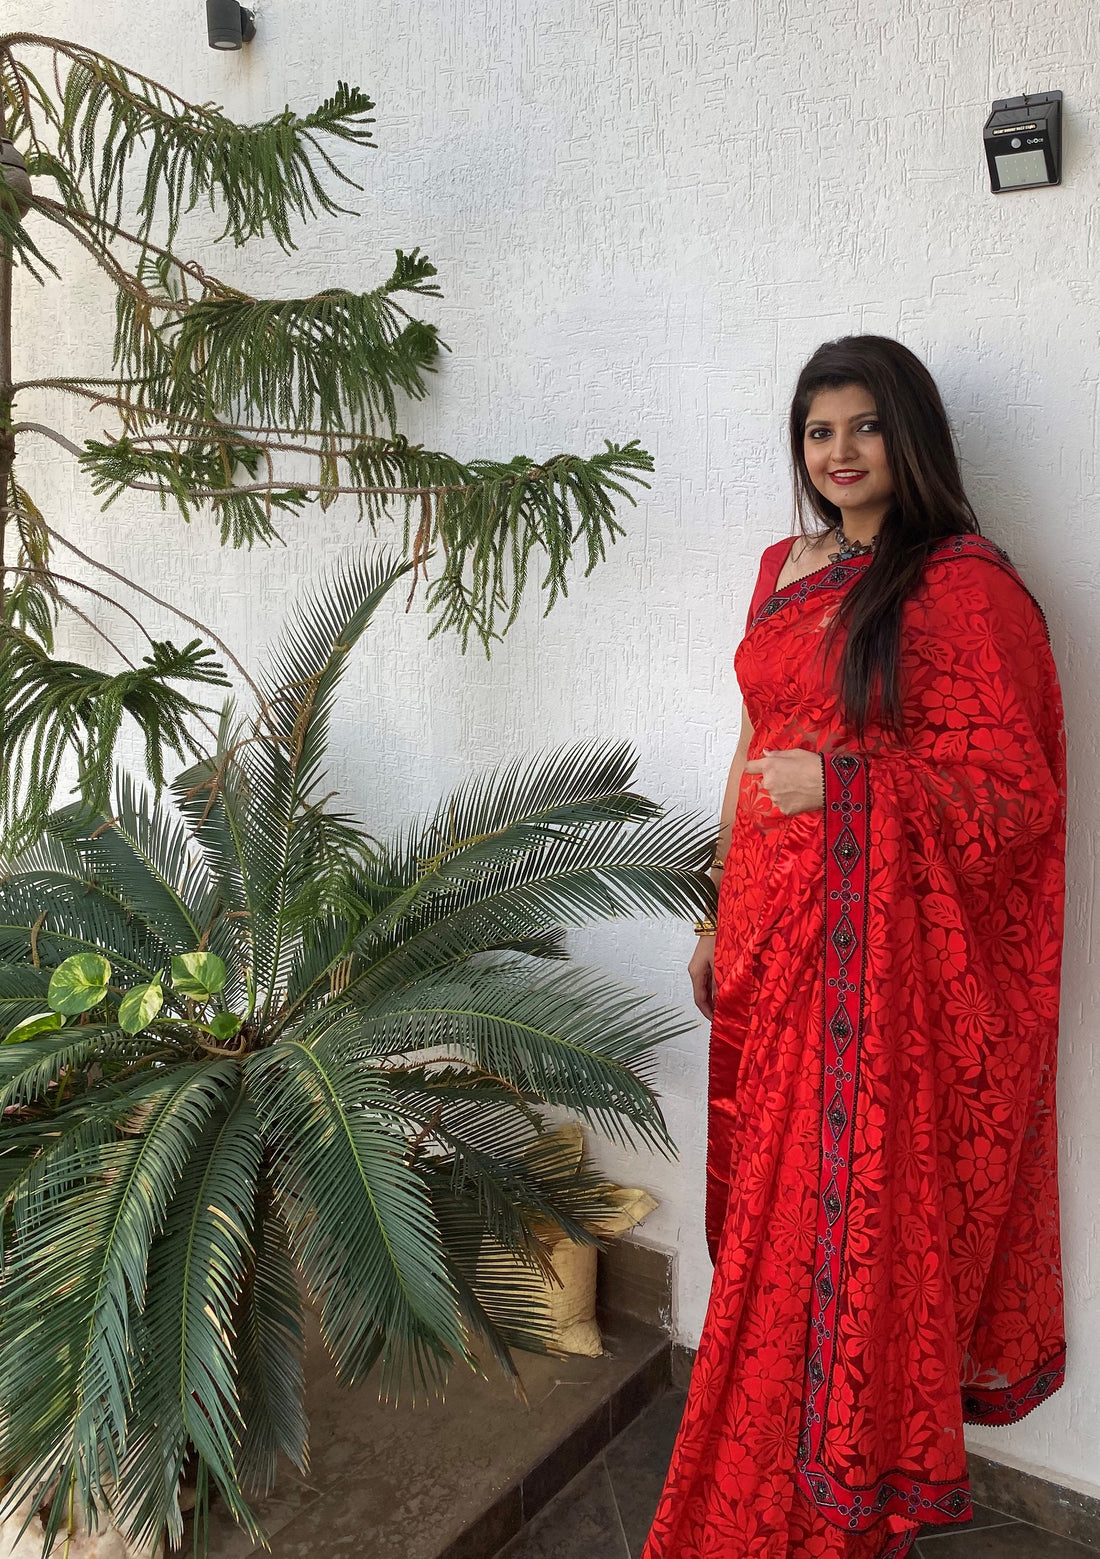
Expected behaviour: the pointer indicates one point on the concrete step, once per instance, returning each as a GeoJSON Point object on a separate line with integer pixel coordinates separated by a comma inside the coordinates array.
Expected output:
{"type": "Point", "coordinates": [451, 1480]}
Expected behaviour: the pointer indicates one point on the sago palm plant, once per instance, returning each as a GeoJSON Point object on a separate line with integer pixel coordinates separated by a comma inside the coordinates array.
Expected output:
{"type": "Point", "coordinates": [252, 1051]}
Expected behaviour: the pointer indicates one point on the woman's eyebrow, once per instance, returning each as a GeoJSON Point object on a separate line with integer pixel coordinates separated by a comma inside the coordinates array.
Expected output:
{"type": "Point", "coordinates": [860, 416]}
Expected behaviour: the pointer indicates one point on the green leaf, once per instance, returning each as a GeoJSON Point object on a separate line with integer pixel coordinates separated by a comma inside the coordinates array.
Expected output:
{"type": "Point", "coordinates": [198, 975]}
{"type": "Point", "coordinates": [39, 1024]}
{"type": "Point", "coordinates": [223, 1025]}
{"type": "Point", "coordinates": [79, 984]}
{"type": "Point", "coordinates": [140, 1006]}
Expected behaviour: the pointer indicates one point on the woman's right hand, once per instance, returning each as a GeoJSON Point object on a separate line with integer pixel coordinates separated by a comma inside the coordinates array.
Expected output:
{"type": "Point", "coordinates": [701, 970]}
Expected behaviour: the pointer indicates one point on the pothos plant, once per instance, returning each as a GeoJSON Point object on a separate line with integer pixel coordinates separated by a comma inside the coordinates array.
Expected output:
{"type": "Point", "coordinates": [253, 1052]}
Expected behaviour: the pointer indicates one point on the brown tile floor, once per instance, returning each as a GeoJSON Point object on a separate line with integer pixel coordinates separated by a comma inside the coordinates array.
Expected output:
{"type": "Point", "coordinates": [605, 1512]}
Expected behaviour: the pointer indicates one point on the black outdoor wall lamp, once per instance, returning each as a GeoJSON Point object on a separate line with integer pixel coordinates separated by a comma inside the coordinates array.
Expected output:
{"type": "Point", "coordinates": [1023, 142]}
{"type": "Point", "coordinates": [228, 24]}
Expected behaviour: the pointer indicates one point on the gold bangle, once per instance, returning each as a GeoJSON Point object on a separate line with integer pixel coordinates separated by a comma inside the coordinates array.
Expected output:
{"type": "Point", "coordinates": [705, 928]}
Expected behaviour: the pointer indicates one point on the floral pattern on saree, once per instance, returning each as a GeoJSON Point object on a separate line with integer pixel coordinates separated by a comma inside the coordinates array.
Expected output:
{"type": "Point", "coordinates": [881, 1180]}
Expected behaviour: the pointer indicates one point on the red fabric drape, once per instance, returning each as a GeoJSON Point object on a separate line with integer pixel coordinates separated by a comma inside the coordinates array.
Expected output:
{"type": "Point", "coordinates": [882, 1202]}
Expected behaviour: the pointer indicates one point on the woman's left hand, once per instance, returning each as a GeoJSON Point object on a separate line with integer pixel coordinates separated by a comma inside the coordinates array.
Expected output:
{"type": "Point", "coordinates": [793, 779]}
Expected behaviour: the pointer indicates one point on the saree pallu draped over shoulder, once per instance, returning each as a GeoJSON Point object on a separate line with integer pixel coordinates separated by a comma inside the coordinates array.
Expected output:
{"type": "Point", "coordinates": [882, 1206]}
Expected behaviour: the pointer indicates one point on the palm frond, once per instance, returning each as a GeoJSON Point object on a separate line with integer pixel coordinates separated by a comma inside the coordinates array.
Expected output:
{"type": "Point", "coordinates": [69, 1364]}
{"type": "Point", "coordinates": [500, 1155]}
{"type": "Point", "coordinates": [360, 1225]}
{"type": "Point", "coordinates": [503, 1299]}
{"type": "Point", "coordinates": [508, 811]}
{"type": "Point", "coordinates": [573, 1038]}
{"type": "Point", "coordinates": [30, 1069]}
{"type": "Point", "coordinates": [22, 993]}
{"type": "Point", "coordinates": [283, 766]}
{"type": "Point", "coordinates": [50, 907]}
{"type": "Point", "coordinates": [197, 1269]}
{"type": "Point", "coordinates": [142, 854]}
{"type": "Point", "coordinates": [583, 873]}
{"type": "Point", "coordinates": [270, 1344]}
{"type": "Point", "coordinates": [211, 797]}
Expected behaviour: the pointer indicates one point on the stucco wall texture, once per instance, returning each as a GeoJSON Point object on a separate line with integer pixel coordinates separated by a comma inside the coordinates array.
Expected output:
{"type": "Point", "coordinates": [645, 214]}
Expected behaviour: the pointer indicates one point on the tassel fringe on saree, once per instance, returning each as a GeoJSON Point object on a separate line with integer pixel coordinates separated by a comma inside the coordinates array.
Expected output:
{"type": "Point", "coordinates": [882, 1207]}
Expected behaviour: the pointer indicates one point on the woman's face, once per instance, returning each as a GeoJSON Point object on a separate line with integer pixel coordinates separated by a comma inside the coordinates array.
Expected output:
{"type": "Point", "coordinates": [845, 455]}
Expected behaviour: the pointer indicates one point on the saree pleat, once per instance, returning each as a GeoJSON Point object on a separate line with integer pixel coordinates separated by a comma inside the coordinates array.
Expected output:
{"type": "Point", "coordinates": [881, 1203]}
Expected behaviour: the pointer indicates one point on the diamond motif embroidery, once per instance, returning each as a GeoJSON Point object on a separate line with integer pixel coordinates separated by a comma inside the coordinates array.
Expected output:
{"type": "Point", "coordinates": [824, 1286]}
{"type": "Point", "coordinates": [831, 1202]}
{"type": "Point", "coordinates": [837, 1115]}
{"type": "Point", "coordinates": [816, 1373]}
{"type": "Point", "coordinates": [845, 765]}
{"type": "Point", "coordinates": [822, 1493]}
{"type": "Point", "coordinates": [846, 851]}
{"type": "Point", "coordinates": [954, 1503]}
{"type": "Point", "coordinates": [844, 939]}
{"type": "Point", "coordinates": [840, 1027]}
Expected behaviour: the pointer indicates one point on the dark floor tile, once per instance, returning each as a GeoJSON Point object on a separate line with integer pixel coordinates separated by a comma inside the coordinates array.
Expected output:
{"type": "Point", "coordinates": [637, 1462]}
{"type": "Point", "coordinates": [1043, 1503]}
{"type": "Point", "coordinates": [1013, 1541]}
{"type": "Point", "coordinates": [582, 1522]}
{"type": "Point", "coordinates": [983, 1517]}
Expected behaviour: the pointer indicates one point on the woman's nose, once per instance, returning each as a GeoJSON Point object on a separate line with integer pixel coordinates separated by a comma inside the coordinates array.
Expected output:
{"type": "Point", "coordinates": [842, 445]}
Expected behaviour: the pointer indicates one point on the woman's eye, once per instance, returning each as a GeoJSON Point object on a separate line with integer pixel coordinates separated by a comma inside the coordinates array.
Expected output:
{"type": "Point", "coordinates": [872, 425]}
{"type": "Point", "coordinates": [819, 433]}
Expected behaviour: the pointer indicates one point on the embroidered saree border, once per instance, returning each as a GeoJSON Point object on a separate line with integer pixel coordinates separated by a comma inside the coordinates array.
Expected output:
{"type": "Point", "coordinates": [847, 819]}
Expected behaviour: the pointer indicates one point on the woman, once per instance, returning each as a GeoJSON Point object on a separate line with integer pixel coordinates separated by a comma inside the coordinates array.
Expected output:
{"type": "Point", "coordinates": [881, 1173]}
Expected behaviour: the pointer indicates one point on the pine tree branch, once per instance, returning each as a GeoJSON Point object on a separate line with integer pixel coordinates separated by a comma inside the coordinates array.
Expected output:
{"type": "Point", "coordinates": [50, 433]}
{"type": "Point", "coordinates": [169, 606]}
{"type": "Point", "coordinates": [100, 595]}
{"type": "Point", "coordinates": [335, 358]}
{"type": "Point", "coordinates": [102, 256]}
{"type": "Point", "coordinates": [261, 174]}
{"type": "Point", "coordinates": [86, 229]}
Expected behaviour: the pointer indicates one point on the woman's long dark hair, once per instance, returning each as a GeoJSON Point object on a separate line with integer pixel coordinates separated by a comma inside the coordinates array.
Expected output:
{"type": "Point", "coordinates": [928, 503]}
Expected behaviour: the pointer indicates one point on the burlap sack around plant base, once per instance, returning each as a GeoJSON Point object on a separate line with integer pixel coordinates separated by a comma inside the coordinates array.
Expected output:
{"type": "Point", "coordinates": [572, 1306]}
{"type": "Point", "coordinates": [107, 1543]}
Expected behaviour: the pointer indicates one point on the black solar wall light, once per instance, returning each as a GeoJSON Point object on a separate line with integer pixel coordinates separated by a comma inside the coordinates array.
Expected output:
{"type": "Point", "coordinates": [228, 25]}
{"type": "Point", "coordinates": [1023, 142]}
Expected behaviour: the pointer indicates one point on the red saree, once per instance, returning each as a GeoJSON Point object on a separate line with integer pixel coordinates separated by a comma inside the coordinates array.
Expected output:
{"type": "Point", "coordinates": [881, 1174]}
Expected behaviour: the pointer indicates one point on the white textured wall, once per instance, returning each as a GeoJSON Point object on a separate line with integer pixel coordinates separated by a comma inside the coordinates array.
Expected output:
{"type": "Point", "coordinates": [645, 214]}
